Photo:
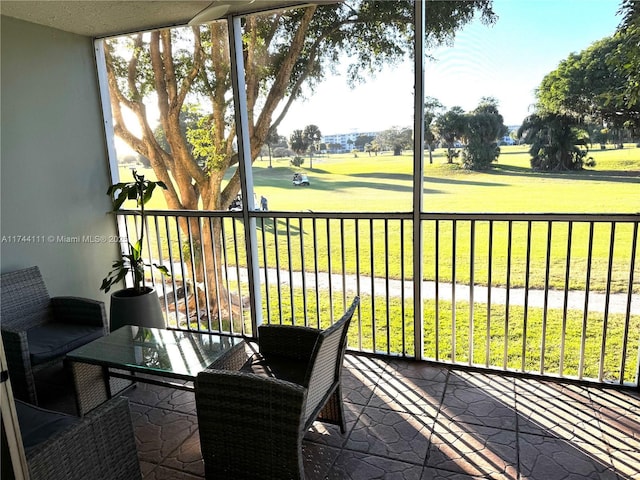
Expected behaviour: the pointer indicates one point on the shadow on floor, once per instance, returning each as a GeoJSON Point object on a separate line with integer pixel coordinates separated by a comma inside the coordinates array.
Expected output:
{"type": "Point", "coordinates": [410, 420]}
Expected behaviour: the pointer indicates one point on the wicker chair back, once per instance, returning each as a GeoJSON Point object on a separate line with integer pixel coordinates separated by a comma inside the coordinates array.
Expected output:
{"type": "Point", "coordinates": [25, 300]}
{"type": "Point", "coordinates": [37, 331]}
{"type": "Point", "coordinates": [326, 362]}
{"type": "Point", "coordinates": [253, 413]}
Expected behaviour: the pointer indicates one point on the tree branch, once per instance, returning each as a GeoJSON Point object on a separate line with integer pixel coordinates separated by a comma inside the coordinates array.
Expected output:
{"type": "Point", "coordinates": [284, 73]}
{"type": "Point", "coordinates": [166, 90]}
{"type": "Point", "coordinates": [198, 63]}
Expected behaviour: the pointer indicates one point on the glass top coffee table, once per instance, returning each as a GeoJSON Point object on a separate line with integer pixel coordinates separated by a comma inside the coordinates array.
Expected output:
{"type": "Point", "coordinates": [170, 358]}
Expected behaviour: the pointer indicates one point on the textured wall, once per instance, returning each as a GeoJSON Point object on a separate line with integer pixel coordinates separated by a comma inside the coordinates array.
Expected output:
{"type": "Point", "coordinates": [53, 166]}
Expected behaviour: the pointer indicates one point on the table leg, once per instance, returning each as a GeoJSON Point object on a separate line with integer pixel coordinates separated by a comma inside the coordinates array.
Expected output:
{"type": "Point", "coordinates": [119, 385]}
{"type": "Point", "coordinates": [92, 386]}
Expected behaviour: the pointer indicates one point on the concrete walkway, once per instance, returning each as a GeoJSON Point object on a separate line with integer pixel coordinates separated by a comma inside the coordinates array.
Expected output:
{"type": "Point", "coordinates": [575, 300]}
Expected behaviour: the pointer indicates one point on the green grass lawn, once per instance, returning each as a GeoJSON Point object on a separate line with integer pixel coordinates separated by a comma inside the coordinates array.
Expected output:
{"type": "Point", "coordinates": [498, 339]}
{"type": "Point", "coordinates": [383, 183]}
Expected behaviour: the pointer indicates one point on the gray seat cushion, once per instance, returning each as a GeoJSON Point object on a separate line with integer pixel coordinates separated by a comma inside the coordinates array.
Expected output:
{"type": "Point", "coordinates": [38, 425]}
{"type": "Point", "coordinates": [282, 368]}
{"type": "Point", "coordinates": [53, 340]}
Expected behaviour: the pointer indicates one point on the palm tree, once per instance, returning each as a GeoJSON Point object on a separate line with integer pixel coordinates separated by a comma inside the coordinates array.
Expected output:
{"type": "Point", "coordinates": [557, 142]}
{"type": "Point", "coordinates": [272, 139]}
{"type": "Point", "coordinates": [298, 142]}
{"type": "Point", "coordinates": [313, 134]}
{"type": "Point", "coordinates": [432, 107]}
{"type": "Point", "coordinates": [483, 127]}
{"type": "Point", "coordinates": [450, 127]}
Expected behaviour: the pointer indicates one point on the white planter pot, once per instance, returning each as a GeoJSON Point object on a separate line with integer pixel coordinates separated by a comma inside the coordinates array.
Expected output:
{"type": "Point", "coordinates": [129, 308]}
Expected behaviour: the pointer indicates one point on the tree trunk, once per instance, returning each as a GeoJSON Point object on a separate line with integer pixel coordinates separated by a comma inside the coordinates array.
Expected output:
{"type": "Point", "coordinates": [191, 185]}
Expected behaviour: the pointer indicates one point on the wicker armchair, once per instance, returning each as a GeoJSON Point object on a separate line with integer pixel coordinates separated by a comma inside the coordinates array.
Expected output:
{"type": "Point", "coordinates": [38, 331]}
{"type": "Point", "coordinates": [254, 407]}
{"type": "Point", "coordinates": [100, 445]}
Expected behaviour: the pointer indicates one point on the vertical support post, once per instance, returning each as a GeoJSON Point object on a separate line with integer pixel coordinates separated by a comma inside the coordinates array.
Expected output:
{"type": "Point", "coordinates": [107, 116]}
{"type": "Point", "coordinates": [244, 163]}
{"type": "Point", "coordinates": [107, 120]}
{"type": "Point", "coordinates": [472, 266]}
{"type": "Point", "coordinates": [454, 251]}
{"type": "Point", "coordinates": [418, 174]}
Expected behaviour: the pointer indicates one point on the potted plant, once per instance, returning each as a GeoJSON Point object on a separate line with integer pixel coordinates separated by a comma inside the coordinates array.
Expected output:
{"type": "Point", "coordinates": [137, 305]}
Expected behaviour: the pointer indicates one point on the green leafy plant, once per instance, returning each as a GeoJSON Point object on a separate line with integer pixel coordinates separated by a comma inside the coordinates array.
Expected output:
{"type": "Point", "coordinates": [141, 191]}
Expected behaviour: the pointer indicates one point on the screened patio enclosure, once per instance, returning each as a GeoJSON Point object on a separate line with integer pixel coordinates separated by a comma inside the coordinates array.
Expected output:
{"type": "Point", "coordinates": [546, 294]}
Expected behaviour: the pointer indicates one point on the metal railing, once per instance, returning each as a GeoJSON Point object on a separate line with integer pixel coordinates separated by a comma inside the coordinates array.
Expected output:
{"type": "Point", "coordinates": [555, 295]}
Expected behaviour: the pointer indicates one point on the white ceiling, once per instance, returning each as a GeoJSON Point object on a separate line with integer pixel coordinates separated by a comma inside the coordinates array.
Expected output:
{"type": "Point", "coordinates": [98, 18]}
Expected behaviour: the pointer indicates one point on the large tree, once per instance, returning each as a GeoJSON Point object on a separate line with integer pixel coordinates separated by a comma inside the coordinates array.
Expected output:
{"type": "Point", "coordinates": [450, 127]}
{"type": "Point", "coordinates": [396, 138]}
{"type": "Point", "coordinates": [284, 53]}
{"type": "Point", "coordinates": [272, 140]}
{"type": "Point", "coordinates": [363, 140]}
{"type": "Point", "coordinates": [299, 142]}
{"type": "Point", "coordinates": [432, 108]}
{"type": "Point", "coordinates": [557, 142]}
{"type": "Point", "coordinates": [626, 58]}
{"type": "Point", "coordinates": [484, 126]}
{"type": "Point", "coordinates": [314, 135]}
{"type": "Point", "coordinates": [588, 87]}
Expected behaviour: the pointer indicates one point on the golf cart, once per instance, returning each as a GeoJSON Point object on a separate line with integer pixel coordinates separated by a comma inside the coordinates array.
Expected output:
{"type": "Point", "coordinates": [300, 179]}
{"type": "Point", "coordinates": [236, 203]}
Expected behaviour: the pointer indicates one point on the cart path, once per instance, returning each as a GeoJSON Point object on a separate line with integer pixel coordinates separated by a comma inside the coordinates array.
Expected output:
{"type": "Point", "coordinates": [575, 300]}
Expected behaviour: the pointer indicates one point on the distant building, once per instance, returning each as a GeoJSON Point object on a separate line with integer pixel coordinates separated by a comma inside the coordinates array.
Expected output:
{"type": "Point", "coordinates": [346, 141]}
{"type": "Point", "coordinates": [507, 140]}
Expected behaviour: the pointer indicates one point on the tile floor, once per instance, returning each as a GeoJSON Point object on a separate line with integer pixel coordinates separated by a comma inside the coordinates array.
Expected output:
{"type": "Point", "coordinates": [408, 420]}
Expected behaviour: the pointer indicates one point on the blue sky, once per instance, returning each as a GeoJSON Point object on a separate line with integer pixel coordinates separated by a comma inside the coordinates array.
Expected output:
{"type": "Point", "coordinates": [507, 61]}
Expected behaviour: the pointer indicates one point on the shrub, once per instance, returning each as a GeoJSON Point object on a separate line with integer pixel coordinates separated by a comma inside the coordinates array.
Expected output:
{"type": "Point", "coordinates": [479, 155]}
{"type": "Point", "coordinates": [280, 152]}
